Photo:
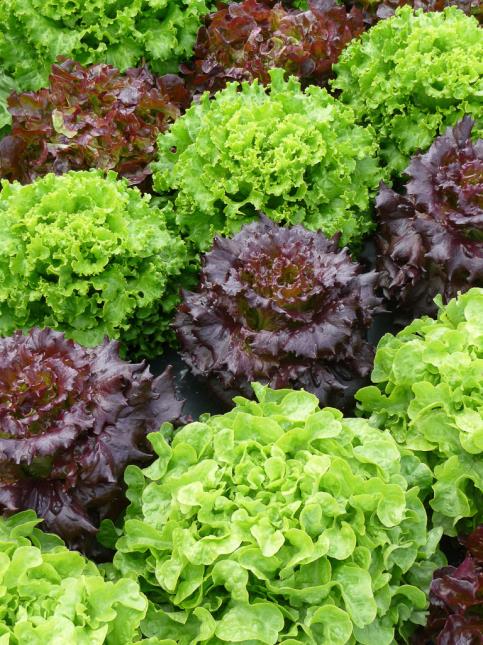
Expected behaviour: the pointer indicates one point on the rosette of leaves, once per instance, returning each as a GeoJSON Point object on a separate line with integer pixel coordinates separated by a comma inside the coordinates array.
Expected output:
{"type": "Point", "coordinates": [411, 77]}
{"type": "Point", "coordinates": [283, 306]}
{"type": "Point", "coordinates": [244, 40]}
{"type": "Point", "coordinates": [71, 420]}
{"type": "Point", "coordinates": [118, 32]}
{"type": "Point", "coordinates": [278, 522]}
{"type": "Point", "coordinates": [91, 117]}
{"type": "Point", "coordinates": [428, 393]}
{"type": "Point", "coordinates": [296, 156]}
{"type": "Point", "coordinates": [84, 253]}
{"type": "Point", "coordinates": [375, 10]}
{"type": "Point", "coordinates": [51, 595]}
{"type": "Point", "coordinates": [456, 599]}
{"type": "Point", "coordinates": [430, 239]}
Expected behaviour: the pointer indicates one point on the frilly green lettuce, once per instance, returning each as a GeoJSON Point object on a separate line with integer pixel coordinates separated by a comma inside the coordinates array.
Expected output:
{"type": "Point", "coordinates": [412, 76]}
{"type": "Point", "coordinates": [278, 522]}
{"type": "Point", "coordinates": [120, 32]}
{"type": "Point", "coordinates": [87, 255]}
{"type": "Point", "coordinates": [296, 156]}
{"type": "Point", "coordinates": [50, 595]}
{"type": "Point", "coordinates": [429, 395]}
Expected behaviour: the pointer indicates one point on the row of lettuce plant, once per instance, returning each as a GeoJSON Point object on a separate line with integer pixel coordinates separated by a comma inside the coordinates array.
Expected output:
{"type": "Point", "coordinates": [279, 522]}
{"type": "Point", "coordinates": [237, 41]}
{"type": "Point", "coordinates": [98, 259]}
{"type": "Point", "coordinates": [86, 254]}
{"type": "Point", "coordinates": [242, 42]}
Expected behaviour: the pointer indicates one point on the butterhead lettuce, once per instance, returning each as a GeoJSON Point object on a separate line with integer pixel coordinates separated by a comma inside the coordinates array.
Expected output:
{"type": "Point", "coordinates": [50, 595]}
{"type": "Point", "coordinates": [428, 392]}
{"type": "Point", "coordinates": [278, 522]}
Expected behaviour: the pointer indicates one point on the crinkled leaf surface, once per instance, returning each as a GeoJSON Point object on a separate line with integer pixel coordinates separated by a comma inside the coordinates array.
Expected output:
{"type": "Point", "coordinates": [283, 306]}
{"type": "Point", "coordinates": [84, 253]}
{"type": "Point", "coordinates": [430, 239]}
{"type": "Point", "coordinates": [71, 420]}
{"type": "Point", "coordinates": [118, 32]}
{"type": "Point", "coordinates": [296, 156]}
{"type": "Point", "coordinates": [246, 39]}
{"type": "Point", "coordinates": [412, 76]}
{"type": "Point", "coordinates": [90, 117]}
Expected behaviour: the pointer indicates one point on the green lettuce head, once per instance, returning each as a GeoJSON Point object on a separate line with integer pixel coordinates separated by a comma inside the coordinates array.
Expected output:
{"type": "Point", "coordinates": [429, 395]}
{"type": "Point", "coordinates": [278, 522]}
{"type": "Point", "coordinates": [120, 32]}
{"type": "Point", "coordinates": [412, 76]}
{"type": "Point", "coordinates": [51, 595]}
{"type": "Point", "coordinates": [296, 156]}
{"type": "Point", "coordinates": [87, 255]}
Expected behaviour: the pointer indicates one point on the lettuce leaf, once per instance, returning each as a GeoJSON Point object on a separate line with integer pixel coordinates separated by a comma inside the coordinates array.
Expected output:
{"type": "Point", "coordinates": [456, 598]}
{"type": "Point", "coordinates": [90, 117]}
{"type": "Point", "coordinates": [282, 306]}
{"type": "Point", "coordinates": [246, 39]}
{"type": "Point", "coordinates": [430, 239]}
{"type": "Point", "coordinates": [118, 32]}
{"type": "Point", "coordinates": [72, 419]}
{"type": "Point", "coordinates": [375, 10]}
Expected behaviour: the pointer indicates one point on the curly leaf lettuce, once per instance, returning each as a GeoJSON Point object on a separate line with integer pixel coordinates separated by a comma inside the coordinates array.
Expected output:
{"type": "Point", "coordinates": [282, 306]}
{"type": "Point", "coordinates": [90, 117]}
{"type": "Point", "coordinates": [430, 239]}
{"type": "Point", "coordinates": [456, 598]}
{"type": "Point", "coordinates": [71, 420]}
{"type": "Point", "coordinates": [411, 76]}
{"type": "Point", "coordinates": [375, 10]}
{"type": "Point", "coordinates": [428, 393]}
{"type": "Point", "coordinates": [85, 254]}
{"type": "Point", "coordinates": [296, 156]}
{"type": "Point", "coordinates": [278, 522]}
{"type": "Point", "coordinates": [243, 40]}
{"type": "Point", "coordinates": [51, 595]}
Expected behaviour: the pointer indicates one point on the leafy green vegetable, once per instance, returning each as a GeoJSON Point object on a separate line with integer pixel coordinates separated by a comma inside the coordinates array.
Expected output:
{"type": "Point", "coordinates": [85, 254]}
{"type": "Point", "coordinates": [278, 522]}
{"type": "Point", "coordinates": [296, 156]}
{"type": "Point", "coordinates": [119, 32]}
{"type": "Point", "coordinates": [429, 395]}
{"type": "Point", "coordinates": [413, 75]}
{"type": "Point", "coordinates": [50, 595]}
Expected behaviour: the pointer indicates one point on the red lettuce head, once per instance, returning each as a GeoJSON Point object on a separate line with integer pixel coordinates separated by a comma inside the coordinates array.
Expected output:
{"type": "Point", "coordinates": [90, 117]}
{"type": "Point", "coordinates": [375, 11]}
{"type": "Point", "coordinates": [71, 420]}
{"type": "Point", "coordinates": [430, 240]}
{"type": "Point", "coordinates": [282, 306]}
{"type": "Point", "coordinates": [456, 600]}
{"type": "Point", "coordinates": [244, 40]}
